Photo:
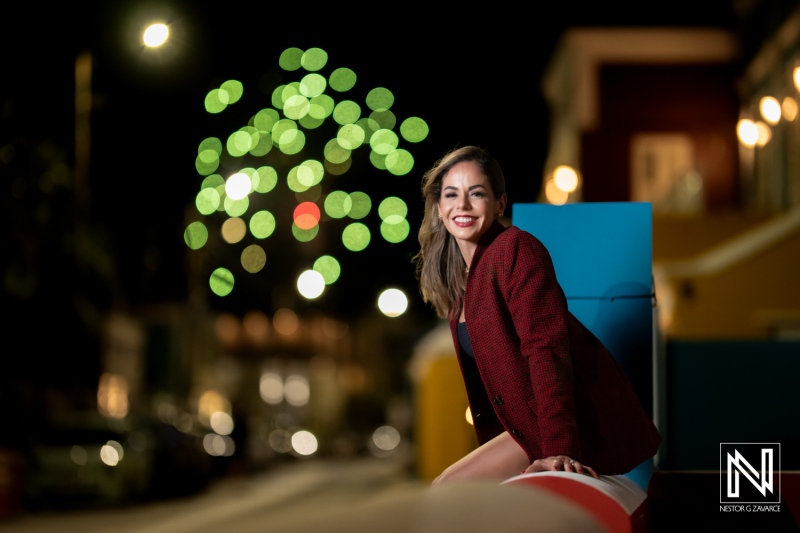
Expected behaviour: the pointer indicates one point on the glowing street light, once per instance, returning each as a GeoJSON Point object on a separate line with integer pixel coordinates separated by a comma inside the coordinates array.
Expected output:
{"type": "Point", "coordinates": [155, 35]}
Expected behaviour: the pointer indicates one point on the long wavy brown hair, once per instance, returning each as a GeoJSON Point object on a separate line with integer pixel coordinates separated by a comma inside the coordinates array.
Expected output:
{"type": "Point", "coordinates": [440, 266]}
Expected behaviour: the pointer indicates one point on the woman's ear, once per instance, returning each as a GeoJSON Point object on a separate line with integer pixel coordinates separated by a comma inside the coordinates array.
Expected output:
{"type": "Point", "coordinates": [501, 205]}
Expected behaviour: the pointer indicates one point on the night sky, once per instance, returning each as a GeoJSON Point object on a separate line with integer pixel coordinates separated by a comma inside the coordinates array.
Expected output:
{"type": "Point", "coordinates": [472, 72]}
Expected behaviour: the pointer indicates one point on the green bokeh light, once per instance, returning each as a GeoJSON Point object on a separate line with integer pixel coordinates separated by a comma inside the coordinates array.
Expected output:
{"type": "Point", "coordinates": [355, 237]}
{"type": "Point", "coordinates": [221, 282]}
{"type": "Point", "coordinates": [265, 179]}
{"type": "Point", "coordinates": [210, 143]}
{"type": "Point", "coordinates": [253, 258]}
{"type": "Point", "coordinates": [280, 132]}
{"type": "Point", "coordinates": [320, 107]}
{"type": "Point", "coordinates": [262, 224]}
{"type": "Point", "coordinates": [369, 126]}
{"type": "Point", "coordinates": [283, 131]}
{"type": "Point", "coordinates": [292, 142]}
{"type": "Point", "coordinates": [265, 119]}
{"type": "Point", "coordinates": [312, 85]}
{"type": "Point", "coordinates": [337, 204]}
{"type": "Point", "coordinates": [350, 136]}
{"type": "Point", "coordinates": [329, 267]}
{"type": "Point", "coordinates": [304, 235]}
{"type": "Point", "coordinates": [414, 129]}
{"type": "Point", "coordinates": [384, 141]}
{"type": "Point", "coordinates": [296, 107]}
{"type": "Point", "coordinates": [342, 79]}
{"type": "Point", "coordinates": [380, 99]}
{"type": "Point", "coordinates": [377, 160]}
{"type": "Point", "coordinates": [290, 59]}
{"type": "Point", "coordinates": [222, 196]}
{"type": "Point", "coordinates": [207, 201]}
{"type": "Point", "coordinates": [392, 205]}
{"type": "Point", "coordinates": [346, 112]}
{"type": "Point", "coordinates": [386, 120]}
{"type": "Point", "coordinates": [314, 59]}
{"type": "Point", "coordinates": [263, 146]}
{"type": "Point", "coordinates": [205, 163]}
{"type": "Point", "coordinates": [216, 101]}
{"type": "Point", "coordinates": [212, 181]}
{"type": "Point", "coordinates": [234, 90]}
{"type": "Point", "coordinates": [239, 143]}
{"type": "Point", "coordinates": [236, 208]}
{"type": "Point", "coordinates": [336, 153]}
{"type": "Point", "coordinates": [310, 172]}
{"type": "Point", "coordinates": [310, 123]}
{"type": "Point", "coordinates": [399, 162]}
{"type": "Point", "coordinates": [195, 235]}
{"type": "Point", "coordinates": [293, 181]}
{"type": "Point", "coordinates": [395, 229]}
{"type": "Point", "coordinates": [361, 205]}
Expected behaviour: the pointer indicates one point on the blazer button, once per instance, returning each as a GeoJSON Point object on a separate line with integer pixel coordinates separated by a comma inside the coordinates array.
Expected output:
{"type": "Point", "coordinates": [516, 433]}
{"type": "Point", "coordinates": [499, 400]}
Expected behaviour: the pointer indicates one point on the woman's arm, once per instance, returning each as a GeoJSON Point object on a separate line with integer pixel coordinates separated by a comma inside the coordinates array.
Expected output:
{"type": "Point", "coordinates": [538, 308]}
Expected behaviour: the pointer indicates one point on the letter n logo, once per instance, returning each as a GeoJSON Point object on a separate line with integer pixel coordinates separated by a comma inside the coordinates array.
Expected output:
{"type": "Point", "coordinates": [747, 472]}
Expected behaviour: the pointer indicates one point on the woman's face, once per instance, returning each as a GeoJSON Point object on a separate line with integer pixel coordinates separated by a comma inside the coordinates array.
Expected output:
{"type": "Point", "coordinates": [467, 205]}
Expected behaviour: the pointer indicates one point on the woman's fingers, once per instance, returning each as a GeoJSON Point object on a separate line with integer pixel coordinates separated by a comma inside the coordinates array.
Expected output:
{"type": "Point", "coordinates": [561, 462]}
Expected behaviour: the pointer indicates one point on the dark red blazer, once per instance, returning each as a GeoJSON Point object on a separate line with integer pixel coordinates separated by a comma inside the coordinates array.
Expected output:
{"type": "Point", "coordinates": [550, 382]}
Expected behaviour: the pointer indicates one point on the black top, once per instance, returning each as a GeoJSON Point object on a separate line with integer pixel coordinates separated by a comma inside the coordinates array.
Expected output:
{"type": "Point", "coordinates": [463, 339]}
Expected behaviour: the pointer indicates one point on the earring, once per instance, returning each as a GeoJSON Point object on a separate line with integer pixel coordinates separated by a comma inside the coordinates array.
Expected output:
{"type": "Point", "coordinates": [440, 216]}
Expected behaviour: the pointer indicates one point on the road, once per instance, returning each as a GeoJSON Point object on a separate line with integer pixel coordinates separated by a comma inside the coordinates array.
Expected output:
{"type": "Point", "coordinates": [261, 502]}
{"type": "Point", "coordinates": [317, 496]}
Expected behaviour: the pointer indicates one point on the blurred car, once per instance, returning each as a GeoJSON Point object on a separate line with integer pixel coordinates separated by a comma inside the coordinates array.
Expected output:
{"type": "Point", "coordinates": [87, 459]}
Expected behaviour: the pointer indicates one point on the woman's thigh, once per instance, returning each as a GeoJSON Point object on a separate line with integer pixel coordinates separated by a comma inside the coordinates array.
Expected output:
{"type": "Point", "coordinates": [500, 458]}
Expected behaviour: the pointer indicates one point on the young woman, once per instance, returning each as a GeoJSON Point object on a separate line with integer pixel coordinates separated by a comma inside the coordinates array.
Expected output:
{"type": "Point", "coordinates": [544, 393]}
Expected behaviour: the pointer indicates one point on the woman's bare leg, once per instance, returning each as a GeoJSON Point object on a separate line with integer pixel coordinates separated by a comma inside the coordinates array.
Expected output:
{"type": "Point", "coordinates": [500, 458]}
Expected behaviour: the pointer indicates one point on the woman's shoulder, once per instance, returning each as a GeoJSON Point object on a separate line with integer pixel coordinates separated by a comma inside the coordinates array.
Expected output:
{"type": "Point", "coordinates": [514, 237]}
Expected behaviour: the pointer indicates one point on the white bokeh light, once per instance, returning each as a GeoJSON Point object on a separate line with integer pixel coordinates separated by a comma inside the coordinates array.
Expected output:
{"type": "Point", "coordinates": [393, 302]}
{"type": "Point", "coordinates": [310, 284]}
{"type": "Point", "coordinates": [271, 388]}
{"type": "Point", "coordinates": [238, 186]}
{"type": "Point", "coordinates": [222, 423]}
{"type": "Point", "coordinates": [297, 390]}
{"type": "Point", "coordinates": [155, 35]}
{"type": "Point", "coordinates": [304, 442]}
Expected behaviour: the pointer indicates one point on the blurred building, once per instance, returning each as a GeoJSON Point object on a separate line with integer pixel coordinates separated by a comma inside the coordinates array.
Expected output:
{"type": "Point", "coordinates": [702, 123]}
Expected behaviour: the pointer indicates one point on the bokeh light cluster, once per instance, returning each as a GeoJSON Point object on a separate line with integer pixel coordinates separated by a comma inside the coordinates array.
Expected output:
{"type": "Point", "coordinates": [274, 158]}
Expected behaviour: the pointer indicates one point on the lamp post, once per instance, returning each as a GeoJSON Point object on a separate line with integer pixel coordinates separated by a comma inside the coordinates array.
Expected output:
{"type": "Point", "coordinates": [113, 390]}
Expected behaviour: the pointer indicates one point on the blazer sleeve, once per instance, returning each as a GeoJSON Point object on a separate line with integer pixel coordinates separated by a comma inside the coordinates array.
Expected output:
{"type": "Point", "coordinates": [539, 312]}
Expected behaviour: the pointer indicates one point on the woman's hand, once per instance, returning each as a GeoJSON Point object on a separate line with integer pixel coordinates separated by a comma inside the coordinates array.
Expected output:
{"type": "Point", "coordinates": [560, 462]}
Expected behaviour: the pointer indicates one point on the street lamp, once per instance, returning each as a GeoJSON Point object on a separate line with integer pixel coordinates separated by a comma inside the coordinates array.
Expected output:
{"type": "Point", "coordinates": [153, 36]}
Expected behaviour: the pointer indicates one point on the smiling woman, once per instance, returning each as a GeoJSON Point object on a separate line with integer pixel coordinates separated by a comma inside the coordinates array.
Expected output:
{"type": "Point", "coordinates": [544, 393]}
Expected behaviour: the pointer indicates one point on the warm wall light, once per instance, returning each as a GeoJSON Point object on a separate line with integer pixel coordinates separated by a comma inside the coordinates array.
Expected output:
{"type": "Point", "coordinates": [796, 76]}
{"type": "Point", "coordinates": [566, 178]}
{"type": "Point", "coordinates": [747, 132]}
{"type": "Point", "coordinates": [555, 195]}
{"type": "Point", "coordinates": [789, 108]}
{"type": "Point", "coordinates": [764, 133]}
{"type": "Point", "coordinates": [770, 109]}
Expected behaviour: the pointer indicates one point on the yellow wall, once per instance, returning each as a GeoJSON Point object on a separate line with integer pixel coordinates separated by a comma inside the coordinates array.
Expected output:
{"type": "Point", "coordinates": [749, 300]}
{"type": "Point", "coordinates": [443, 434]}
